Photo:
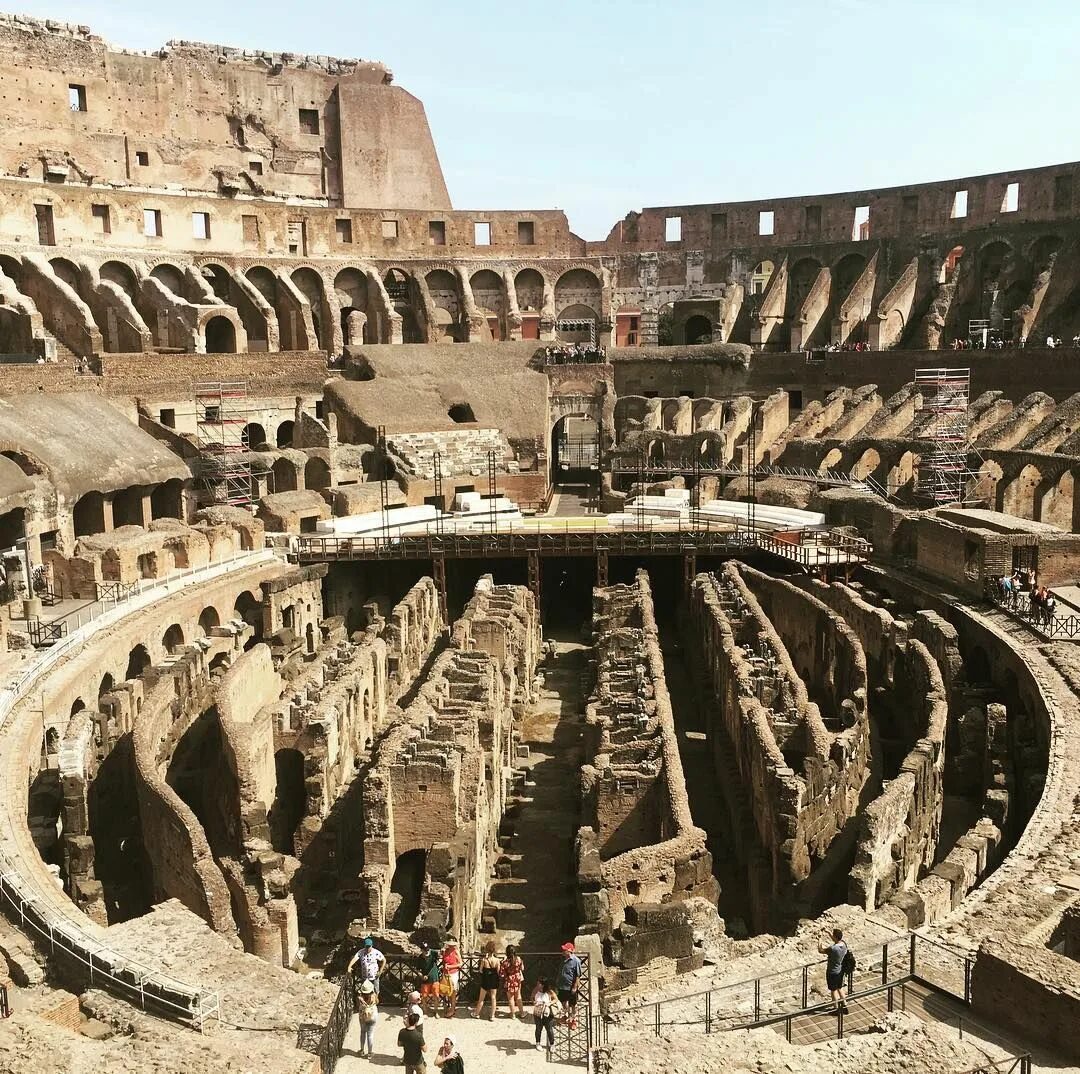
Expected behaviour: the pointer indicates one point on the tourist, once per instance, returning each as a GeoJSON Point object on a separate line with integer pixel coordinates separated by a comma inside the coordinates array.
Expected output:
{"type": "Point", "coordinates": [372, 962]}
{"type": "Point", "coordinates": [368, 1011]}
{"type": "Point", "coordinates": [1050, 341]}
{"type": "Point", "coordinates": [449, 1058]}
{"type": "Point", "coordinates": [431, 968]}
{"type": "Point", "coordinates": [451, 978]}
{"type": "Point", "coordinates": [489, 982]}
{"type": "Point", "coordinates": [410, 1040]}
{"type": "Point", "coordinates": [1049, 608]}
{"type": "Point", "coordinates": [837, 953]}
{"type": "Point", "coordinates": [546, 1008]}
{"type": "Point", "coordinates": [512, 973]}
{"type": "Point", "coordinates": [568, 981]}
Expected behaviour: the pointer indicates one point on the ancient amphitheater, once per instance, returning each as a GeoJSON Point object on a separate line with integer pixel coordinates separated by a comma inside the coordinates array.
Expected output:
{"type": "Point", "coordinates": [371, 568]}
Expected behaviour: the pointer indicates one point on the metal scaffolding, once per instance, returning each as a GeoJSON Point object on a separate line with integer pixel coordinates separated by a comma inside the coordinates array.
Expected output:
{"type": "Point", "coordinates": [221, 414]}
{"type": "Point", "coordinates": [944, 476]}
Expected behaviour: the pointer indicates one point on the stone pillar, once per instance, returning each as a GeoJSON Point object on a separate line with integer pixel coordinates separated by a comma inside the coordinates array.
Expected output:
{"type": "Point", "coordinates": [355, 324]}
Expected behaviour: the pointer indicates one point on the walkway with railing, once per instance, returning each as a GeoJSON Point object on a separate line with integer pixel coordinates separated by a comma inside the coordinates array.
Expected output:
{"type": "Point", "coordinates": [1050, 625]}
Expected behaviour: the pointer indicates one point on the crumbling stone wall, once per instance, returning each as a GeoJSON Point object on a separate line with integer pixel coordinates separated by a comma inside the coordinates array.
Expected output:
{"type": "Point", "coordinates": [804, 782]}
{"type": "Point", "coordinates": [638, 847]}
{"type": "Point", "coordinates": [440, 777]}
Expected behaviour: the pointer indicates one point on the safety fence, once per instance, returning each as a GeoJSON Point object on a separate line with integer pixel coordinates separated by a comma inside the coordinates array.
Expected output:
{"type": "Point", "coordinates": [1042, 619]}
{"type": "Point", "coordinates": [786, 993]}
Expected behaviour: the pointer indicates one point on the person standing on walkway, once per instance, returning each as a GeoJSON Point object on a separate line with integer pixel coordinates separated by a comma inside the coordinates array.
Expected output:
{"type": "Point", "coordinates": [836, 953]}
{"type": "Point", "coordinates": [449, 1058]}
{"type": "Point", "coordinates": [368, 1012]}
{"type": "Point", "coordinates": [512, 973]}
{"type": "Point", "coordinates": [489, 982]}
{"type": "Point", "coordinates": [371, 962]}
{"type": "Point", "coordinates": [546, 1009]}
{"type": "Point", "coordinates": [568, 981]}
{"type": "Point", "coordinates": [410, 1040]}
{"type": "Point", "coordinates": [431, 970]}
{"type": "Point", "coordinates": [451, 960]}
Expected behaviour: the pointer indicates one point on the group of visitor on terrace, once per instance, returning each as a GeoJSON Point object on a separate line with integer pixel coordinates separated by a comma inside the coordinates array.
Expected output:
{"type": "Point", "coordinates": [574, 353]}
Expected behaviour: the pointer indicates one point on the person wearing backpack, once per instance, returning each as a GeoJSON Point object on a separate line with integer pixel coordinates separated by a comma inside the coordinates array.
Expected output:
{"type": "Point", "coordinates": [449, 1059]}
{"type": "Point", "coordinates": [546, 1009]}
{"type": "Point", "coordinates": [368, 1011]}
{"type": "Point", "coordinates": [840, 963]}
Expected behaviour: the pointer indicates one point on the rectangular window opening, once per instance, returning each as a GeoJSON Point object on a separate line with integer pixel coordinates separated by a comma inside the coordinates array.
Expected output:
{"type": "Point", "coordinates": [673, 229]}
{"type": "Point", "coordinates": [250, 225]}
{"type": "Point", "coordinates": [151, 222]}
{"type": "Point", "coordinates": [813, 221]}
{"type": "Point", "coordinates": [200, 225]}
{"type": "Point", "coordinates": [343, 228]}
{"type": "Point", "coordinates": [100, 213]}
{"type": "Point", "coordinates": [77, 98]}
{"type": "Point", "coordinates": [1011, 200]}
{"type": "Point", "coordinates": [766, 222]}
{"type": "Point", "coordinates": [860, 226]}
{"type": "Point", "coordinates": [909, 209]}
{"type": "Point", "coordinates": [436, 232]}
{"type": "Point", "coordinates": [296, 237]}
{"type": "Point", "coordinates": [45, 228]}
{"type": "Point", "coordinates": [255, 167]}
{"type": "Point", "coordinates": [526, 233]}
{"type": "Point", "coordinates": [142, 158]}
{"type": "Point", "coordinates": [481, 233]}
{"type": "Point", "coordinates": [168, 418]}
{"type": "Point", "coordinates": [719, 228]}
{"type": "Point", "coordinates": [309, 121]}
{"type": "Point", "coordinates": [959, 205]}
{"type": "Point", "coordinates": [389, 229]}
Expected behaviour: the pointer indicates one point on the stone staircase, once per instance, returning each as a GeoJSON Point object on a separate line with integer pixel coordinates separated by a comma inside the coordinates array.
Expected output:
{"type": "Point", "coordinates": [462, 451]}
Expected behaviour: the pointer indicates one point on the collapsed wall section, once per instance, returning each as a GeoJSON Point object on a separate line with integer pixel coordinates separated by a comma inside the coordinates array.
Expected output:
{"type": "Point", "coordinates": [639, 854]}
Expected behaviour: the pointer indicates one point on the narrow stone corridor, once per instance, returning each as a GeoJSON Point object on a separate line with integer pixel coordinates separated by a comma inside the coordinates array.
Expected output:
{"type": "Point", "coordinates": [702, 780]}
{"type": "Point", "coordinates": [533, 895]}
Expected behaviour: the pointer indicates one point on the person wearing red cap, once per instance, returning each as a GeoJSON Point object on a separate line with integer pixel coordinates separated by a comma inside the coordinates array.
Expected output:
{"type": "Point", "coordinates": [567, 983]}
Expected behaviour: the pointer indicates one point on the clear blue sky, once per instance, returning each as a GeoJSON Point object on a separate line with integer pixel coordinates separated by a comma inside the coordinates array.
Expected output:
{"type": "Point", "coordinates": [598, 107]}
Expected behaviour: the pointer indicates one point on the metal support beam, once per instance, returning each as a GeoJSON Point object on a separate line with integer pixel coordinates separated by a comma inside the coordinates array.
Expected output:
{"type": "Point", "coordinates": [689, 567]}
{"type": "Point", "coordinates": [492, 466]}
{"type": "Point", "coordinates": [383, 458]}
{"type": "Point", "coordinates": [440, 502]}
{"type": "Point", "coordinates": [602, 567]}
{"type": "Point", "coordinates": [534, 574]}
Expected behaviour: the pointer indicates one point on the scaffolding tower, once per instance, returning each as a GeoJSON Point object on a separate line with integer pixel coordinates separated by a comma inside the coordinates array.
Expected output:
{"type": "Point", "coordinates": [221, 414]}
{"type": "Point", "coordinates": [944, 475]}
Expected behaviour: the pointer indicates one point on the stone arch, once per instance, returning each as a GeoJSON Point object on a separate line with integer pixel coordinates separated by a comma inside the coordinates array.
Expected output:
{"type": "Point", "coordinates": [991, 262]}
{"type": "Point", "coordinates": [284, 436]}
{"type": "Point", "coordinates": [220, 335]}
{"type": "Point", "coordinates": [290, 797]}
{"type": "Point", "coordinates": [173, 638]}
{"type": "Point", "coordinates": [832, 458]}
{"type": "Point", "coordinates": [311, 285]}
{"type": "Point", "coordinates": [167, 499]}
{"type": "Point", "coordinates": [801, 277]}
{"type": "Point", "coordinates": [208, 619]}
{"type": "Point", "coordinates": [127, 506]}
{"type": "Point", "coordinates": [316, 473]}
{"type": "Point", "coordinates": [902, 472]}
{"type": "Point", "coordinates": [285, 475]}
{"type": "Point", "coordinates": [1054, 500]}
{"type": "Point", "coordinates": [105, 685]}
{"type": "Point", "coordinates": [698, 329]}
{"type": "Point", "coordinates": [578, 289]}
{"type": "Point", "coordinates": [67, 271]}
{"type": "Point", "coordinates": [359, 322]}
{"type": "Point", "coordinates": [138, 662]}
{"type": "Point", "coordinates": [401, 290]}
{"type": "Point", "coordinates": [1018, 497]}
{"type": "Point", "coordinates": [123, 275]}
{"type": "Point", "coordinates": [487, 289]}
{"type": "Point", "coordinates": [949, 263]}
{"type": "Point", "coordinates": [253, 436]}
{"type": "Point", "coordinates": [529, 286]}
{"type": "Point", "coordinates": [1043, 251]}
{"type": "Point", "coordinates": [986, 483]}
{"type": "Point", "coordinates": [759, 278]}
{"type": "Point", "coordinates": [88, 516]}
{"type": "Point", "coordinates": [445, 291]}
{"type": "Point", "coordinates": [171, 277]}
{"type": "Point", "coordinates": [866, 464]}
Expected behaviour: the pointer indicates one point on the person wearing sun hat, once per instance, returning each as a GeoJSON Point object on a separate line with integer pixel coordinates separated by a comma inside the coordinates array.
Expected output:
{"type": "Point", "coordinates": [451, 960]}
{"type": "Point", "coordinates": [367, 1008]}
{"type": "Point", "coordinates": [568, 981]}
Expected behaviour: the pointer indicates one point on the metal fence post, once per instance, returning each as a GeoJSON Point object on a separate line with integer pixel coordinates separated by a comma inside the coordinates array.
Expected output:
{"type": "Point", "coordinates": [656, 1014]}
{"type": "Point", "coordinates": [885, 964]}
{"type": "Point", "coordinates": [967, 981]}
{"type": "Point", "coordinates": [912, 968]}
{"type": "Point", "coordinates": [805, 984]}
{"type": "Point", "coordinates": [840, 1024]}
{"type": "Point", "coordinates": [708, 1012]}
{"type": "Point", "coordinates": [757, 998]}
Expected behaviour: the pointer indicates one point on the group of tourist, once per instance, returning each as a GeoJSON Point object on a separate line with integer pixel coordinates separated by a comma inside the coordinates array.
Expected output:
{"type": "Point", "coordinates": [993, 342]}
{"type": "Point", "coordinates": [858, 347]}
{"type": "Point", "coordinates": [440, 970]}
{"type": "Point", "coordinates": [574, 353]}
{"type": "Point", "coordinates": [1020, 592]}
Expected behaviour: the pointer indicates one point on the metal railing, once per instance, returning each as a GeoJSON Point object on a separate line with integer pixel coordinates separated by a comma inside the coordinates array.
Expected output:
{"type": "Point", "coordinates": [45, 634]}
{"type": "Point", "coordinates": [1018, 604]}
{"type": "Point", "coordinates": [34, 909]}
{"type": "Point", "coordinates": [786, 992]}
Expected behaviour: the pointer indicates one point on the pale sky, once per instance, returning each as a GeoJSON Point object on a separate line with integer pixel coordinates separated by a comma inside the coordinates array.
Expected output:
{"type": "Point", "coordinates": [598, 107]}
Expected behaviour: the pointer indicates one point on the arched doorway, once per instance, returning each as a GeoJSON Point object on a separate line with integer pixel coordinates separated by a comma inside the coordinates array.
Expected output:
{"type": "Point", "coordinates": [284, 434]}
{"type": "Point", "coordinates": [208, 620]}
{"type": "Point", "coordinates": [253, 436]}
{"type": "Point", "coordinates": [220, 336]}
{"type": "Point", "coordinates": [698, 330]}
{"type": "Point", "coordinates": [316, 473]}
{"type": "Point", "coordinates": [575, 450]}
{"type": "Point", "coordinates": [407, 889]}
{"type": "Point", "coordinates": [138, 662]}
{"type": "Point", "coordinates": [173, 639]}
{"type": "Point", "coordinates": [290, 797]}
